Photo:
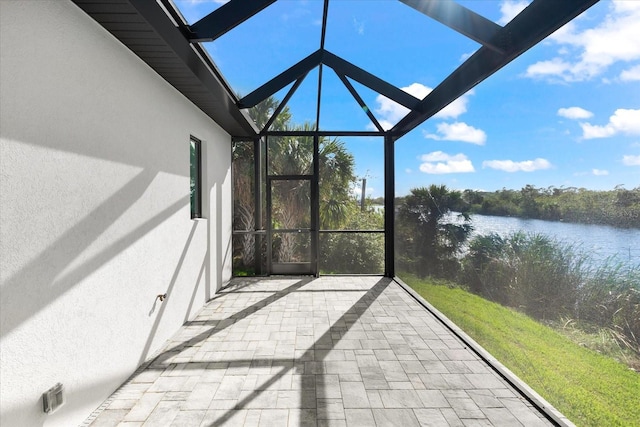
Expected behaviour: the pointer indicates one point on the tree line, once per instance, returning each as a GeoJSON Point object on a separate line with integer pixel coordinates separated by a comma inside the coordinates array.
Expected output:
{"type": "Point", "coordinates": [618, 207]}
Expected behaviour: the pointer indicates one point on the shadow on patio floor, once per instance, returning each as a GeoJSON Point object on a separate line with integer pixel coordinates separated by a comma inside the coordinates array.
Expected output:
{"type": "Point", "coordinates": [350, 351]}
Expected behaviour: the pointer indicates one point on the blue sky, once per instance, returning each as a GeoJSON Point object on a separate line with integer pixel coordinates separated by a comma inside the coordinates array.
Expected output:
{"type": "Point", "coordinates": [566, 113]}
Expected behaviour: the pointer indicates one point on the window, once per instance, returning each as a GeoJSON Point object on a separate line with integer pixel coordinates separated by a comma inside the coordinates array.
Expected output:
{"type": "Point", "coordinates": [196, 178]}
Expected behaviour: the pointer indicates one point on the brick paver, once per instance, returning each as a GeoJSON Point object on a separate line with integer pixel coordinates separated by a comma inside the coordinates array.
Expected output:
{"type": "Point", "coordinates": [333, 351]}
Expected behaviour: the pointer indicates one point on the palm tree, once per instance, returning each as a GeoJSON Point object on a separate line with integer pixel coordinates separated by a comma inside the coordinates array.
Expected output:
{"type": "Point", "coordinates": [336, 177]}
{"type": "Point", "coordinates": [244, 179]}
{"type": "Point", "coordinates": [243, 200]}
{"type": "Point", "coordinates": [262, 112]}
{"type": "Point", "coordinates": [289, 155]}
{"type": "Point", "coordinates": [294, 156]}
{"type": "Point", "coordinates": [429, 240]}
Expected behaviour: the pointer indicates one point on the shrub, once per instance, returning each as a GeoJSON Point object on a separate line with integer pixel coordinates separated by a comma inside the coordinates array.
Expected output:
{"type": "Point", "coordinates": [530, 272]}
{"type": "Point", "coordinates": [548, 275]}
{"type": "Point", "coordinates": [549, 280]}
{"type": "Point", "coordinates": [486, 270]}
{"type": "Point", "coordinates": [610, 298]}
{"type": "Point", "coordinates": [354, 253]}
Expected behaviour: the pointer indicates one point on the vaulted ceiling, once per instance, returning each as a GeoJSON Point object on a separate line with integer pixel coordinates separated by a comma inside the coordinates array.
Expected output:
{"type": "Point", "coordinates": [158, 33]}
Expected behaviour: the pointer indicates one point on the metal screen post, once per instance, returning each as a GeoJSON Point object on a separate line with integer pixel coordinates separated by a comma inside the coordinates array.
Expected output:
{"type": "Point", "coordinates": [389, 206]}
{"type": "Point", "coordinates": [315, 208]}
{"type": "Point", "coordinates": [257, 213]}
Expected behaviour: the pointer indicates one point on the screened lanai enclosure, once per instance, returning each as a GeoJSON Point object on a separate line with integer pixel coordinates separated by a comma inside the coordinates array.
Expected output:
{"type": "Point", "coordinates": [349, 156]}
{"type": "Point", "coordinates": [294, 183]}
{"type": "Point", "coordinates": [300, 216]}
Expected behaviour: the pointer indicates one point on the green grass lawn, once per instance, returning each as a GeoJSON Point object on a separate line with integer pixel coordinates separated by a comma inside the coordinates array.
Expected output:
{"type": "Point", "coordinates": [588, 388]}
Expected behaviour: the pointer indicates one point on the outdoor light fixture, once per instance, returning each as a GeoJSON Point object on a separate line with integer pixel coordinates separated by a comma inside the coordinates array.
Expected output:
{"type": "Point", "coordinates": [53, 398]}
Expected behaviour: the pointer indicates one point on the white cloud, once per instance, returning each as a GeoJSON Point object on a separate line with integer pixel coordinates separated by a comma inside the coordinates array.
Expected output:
{"type": "Point", "coordinates": [390, 112]}
{"type": "Point", "coordinates": [459, 131]}
{"type": "Point", "coordinates": [438, 156]}
{"type": "Point", "coordinates": [575, 113]}
{"type": "Point", "coordinates": [623, 121]}
{"type": "Point", "coordinates": [553, 67]}
{"type": "Point", "coordinates": [358, 26]}
{"type": "Point", "coordinates": [588, 53]}
{"type": "Point", "coordinates": [593, 132]}
{"type": "Point", "coordinates": [439, 162]}
{"type": "Point", "coordinates": [407, 170]}
{"type": "Point", "coordinates": [357, 190]}
{"type": "Point", "coordinates": [631, 75]}
{"type": "Point", "coordinates": [600, 172]}
{"type": "Point", "coordinates": [456, 108]}
{"type": "Point", "coordinates": [630, 160]}
{"type": "Point", "coordinates": [511, 166]}
{"type": "Point", "coordinates": [510, 8]}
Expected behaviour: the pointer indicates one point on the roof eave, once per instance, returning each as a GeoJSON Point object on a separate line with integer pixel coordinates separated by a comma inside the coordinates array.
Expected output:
{"type": "Point", "coordinates": [155, 37]}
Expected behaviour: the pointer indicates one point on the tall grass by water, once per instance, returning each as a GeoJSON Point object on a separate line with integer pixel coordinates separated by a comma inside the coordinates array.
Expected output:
{"type": "Point", "coordinates": [556, 282]}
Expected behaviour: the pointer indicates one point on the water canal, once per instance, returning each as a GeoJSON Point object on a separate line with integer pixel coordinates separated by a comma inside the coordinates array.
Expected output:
{"type": "Point", "coordinates": [599, 241]}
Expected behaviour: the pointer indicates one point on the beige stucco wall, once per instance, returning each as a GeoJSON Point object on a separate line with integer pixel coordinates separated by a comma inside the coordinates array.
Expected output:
{"type": "Point", "coordinates": [94, 211]}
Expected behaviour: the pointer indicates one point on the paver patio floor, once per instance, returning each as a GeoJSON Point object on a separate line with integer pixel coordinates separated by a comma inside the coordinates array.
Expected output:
{"type": "Point", "coordinates": [331, 351]}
